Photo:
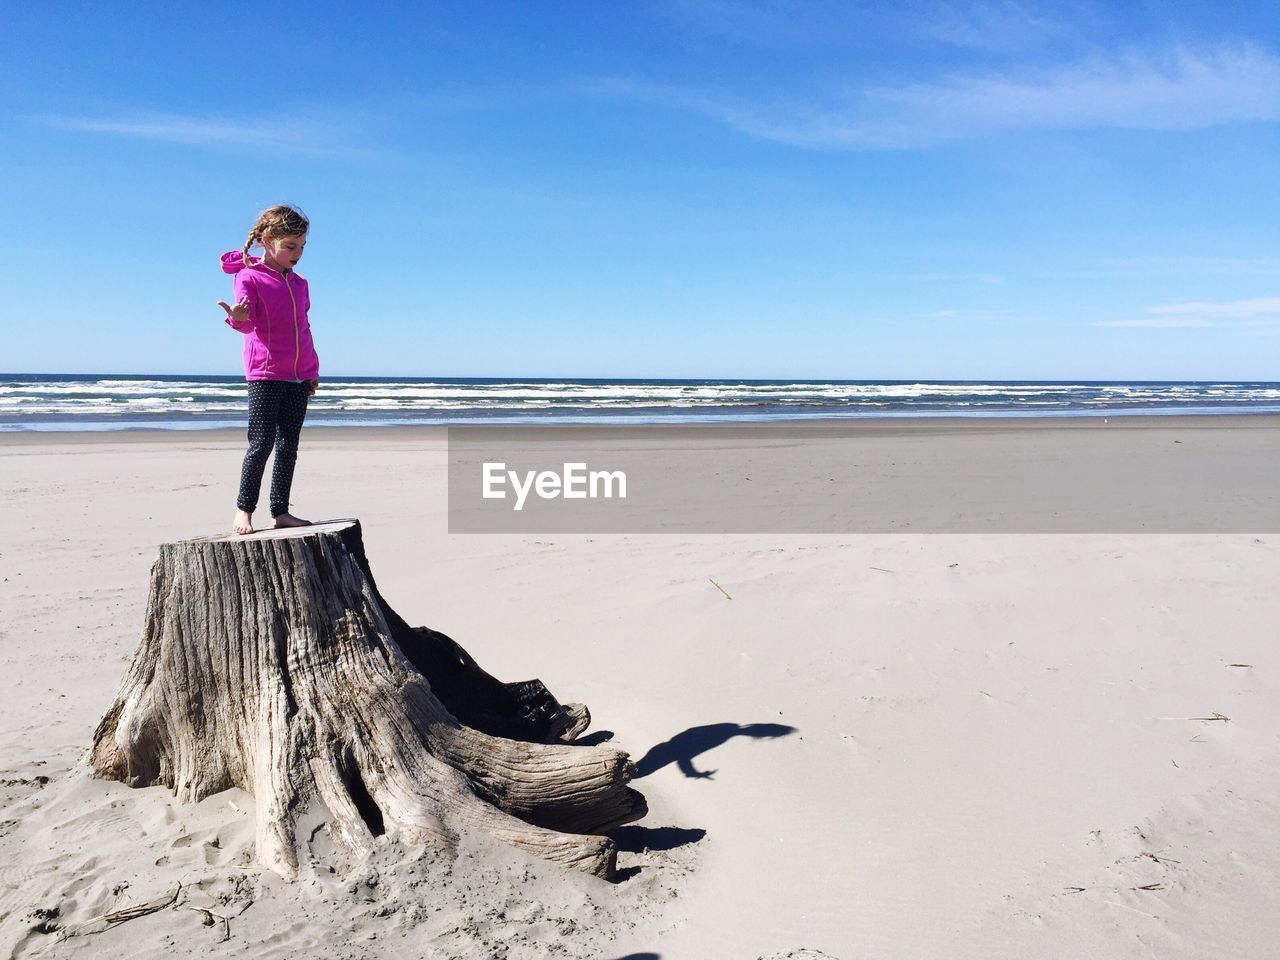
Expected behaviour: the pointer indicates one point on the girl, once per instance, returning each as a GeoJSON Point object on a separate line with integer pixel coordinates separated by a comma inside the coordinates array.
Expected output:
{"type": "Point", "coordinates": [280, 361]}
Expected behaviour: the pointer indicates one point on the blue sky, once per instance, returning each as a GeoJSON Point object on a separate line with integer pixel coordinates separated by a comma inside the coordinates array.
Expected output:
{"type": "Point", "coordinates": [666, 188]}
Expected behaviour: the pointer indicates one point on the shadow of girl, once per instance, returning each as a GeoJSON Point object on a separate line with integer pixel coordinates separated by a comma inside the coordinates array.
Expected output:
{"type": "Point", "coordinates": [688, 744]}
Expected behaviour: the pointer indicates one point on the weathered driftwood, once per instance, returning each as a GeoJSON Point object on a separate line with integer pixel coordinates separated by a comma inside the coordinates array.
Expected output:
{"type": "Point", "coordinates": [271, 663]}
{"type": "Point", "coordinates": [116, 917]}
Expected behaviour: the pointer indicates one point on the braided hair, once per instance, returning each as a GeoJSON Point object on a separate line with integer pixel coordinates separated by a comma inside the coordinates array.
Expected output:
{"type": "Point", "coordinates": [282, 220]}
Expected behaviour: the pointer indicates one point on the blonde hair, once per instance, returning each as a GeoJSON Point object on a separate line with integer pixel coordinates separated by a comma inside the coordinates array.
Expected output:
{"type": "Point", "coordinates": [282, 220]}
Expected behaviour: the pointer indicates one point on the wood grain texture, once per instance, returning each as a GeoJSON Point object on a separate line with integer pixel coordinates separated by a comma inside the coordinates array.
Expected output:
{"type": "Point", "coordinates": [271, 663]}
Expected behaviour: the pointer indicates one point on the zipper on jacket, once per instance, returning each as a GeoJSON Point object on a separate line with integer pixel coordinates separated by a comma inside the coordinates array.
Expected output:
{"type": "Point", "coordinates": [297, 344]}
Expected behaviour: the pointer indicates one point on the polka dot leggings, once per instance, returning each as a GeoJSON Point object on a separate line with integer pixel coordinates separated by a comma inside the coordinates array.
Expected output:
{"type": "Point", "coordinates": [276, 411]}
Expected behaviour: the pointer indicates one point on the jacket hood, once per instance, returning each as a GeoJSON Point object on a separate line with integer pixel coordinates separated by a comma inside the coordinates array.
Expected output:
{"type": "Point", "coordinates": [233, 261]}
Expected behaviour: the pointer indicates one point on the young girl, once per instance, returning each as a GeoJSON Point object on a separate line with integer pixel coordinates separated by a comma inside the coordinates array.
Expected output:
{"type": "Point", "coordinates": [280, 362]}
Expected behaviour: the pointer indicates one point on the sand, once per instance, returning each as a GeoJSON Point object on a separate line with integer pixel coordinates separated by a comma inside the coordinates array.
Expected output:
{"type": "Point", "coordinates": [853, 746]}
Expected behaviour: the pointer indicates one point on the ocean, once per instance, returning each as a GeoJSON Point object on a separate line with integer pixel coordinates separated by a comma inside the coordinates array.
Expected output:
{"type": "Point", "coordinates": [125, 402]}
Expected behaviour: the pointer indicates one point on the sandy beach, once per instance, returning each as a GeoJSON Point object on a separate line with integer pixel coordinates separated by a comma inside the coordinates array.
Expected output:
{"type": "Point", "coordinates": [886, 745]}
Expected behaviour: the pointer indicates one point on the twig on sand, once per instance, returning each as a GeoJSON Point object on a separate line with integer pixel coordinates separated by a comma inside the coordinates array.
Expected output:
{"type": "Point", "coordinates": [882, 569]}
{"type": "Point", "coordinates": [1125, 906]}
{"type": "Point", "coordinates": [721, 589]}
{"type": "Point", "coordinates": [117, 917]}
{"type": "Point", "coordinates": [1216, 716]}
{"type": "Point", "coordinates": [1150, 887]}
{"type": "Point", "coordinates": [210, 918]}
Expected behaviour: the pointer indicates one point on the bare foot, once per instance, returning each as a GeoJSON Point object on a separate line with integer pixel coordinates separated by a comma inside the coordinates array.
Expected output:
{"type": "Point", "coordinates": [289, 520]}
{"type": "Point", "coordinates": [242, 522]}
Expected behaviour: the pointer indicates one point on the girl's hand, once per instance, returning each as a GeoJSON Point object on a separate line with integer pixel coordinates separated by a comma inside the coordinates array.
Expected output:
{"type": "Point", "coordinates": [239, 313]}
{"type": "Point", "coordinates": [312, 386]}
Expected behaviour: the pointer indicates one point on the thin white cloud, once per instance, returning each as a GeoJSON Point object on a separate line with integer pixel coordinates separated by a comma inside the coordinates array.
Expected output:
{"type": "Point", "coordinates": [1164, 266]}
{"type": "Point", "coordinates": [1156, 322]}
{"type": "Point", "coordinates": [984, 25]}
{"type": "Point", "coordinates": [993, 26]}
{"type": "Point", "coordinates": [1257, 307]}
{"type": "Point", "coordinates": [1183, 90]}
{"type": "Point", "coordinates": [973, 315]}
{"type": "Point", "coordinates": [988, 279]}
{"type": "Point", "coordinates": [1259, 313]}
{"type": "Point", "coordinates": [276, 136]}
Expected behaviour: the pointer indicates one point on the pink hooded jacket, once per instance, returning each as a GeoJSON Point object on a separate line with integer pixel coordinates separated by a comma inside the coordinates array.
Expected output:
{"type": "Point", "coordinates": [277, 336]}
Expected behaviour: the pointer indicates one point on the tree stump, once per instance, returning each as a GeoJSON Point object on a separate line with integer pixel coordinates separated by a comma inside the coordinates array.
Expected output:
{"type": "Point", "coordinates": [271, 663]}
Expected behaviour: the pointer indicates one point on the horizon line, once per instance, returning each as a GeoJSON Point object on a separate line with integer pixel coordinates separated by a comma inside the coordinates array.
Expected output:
{"type": "Point", "coordinates": [652, 379]}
